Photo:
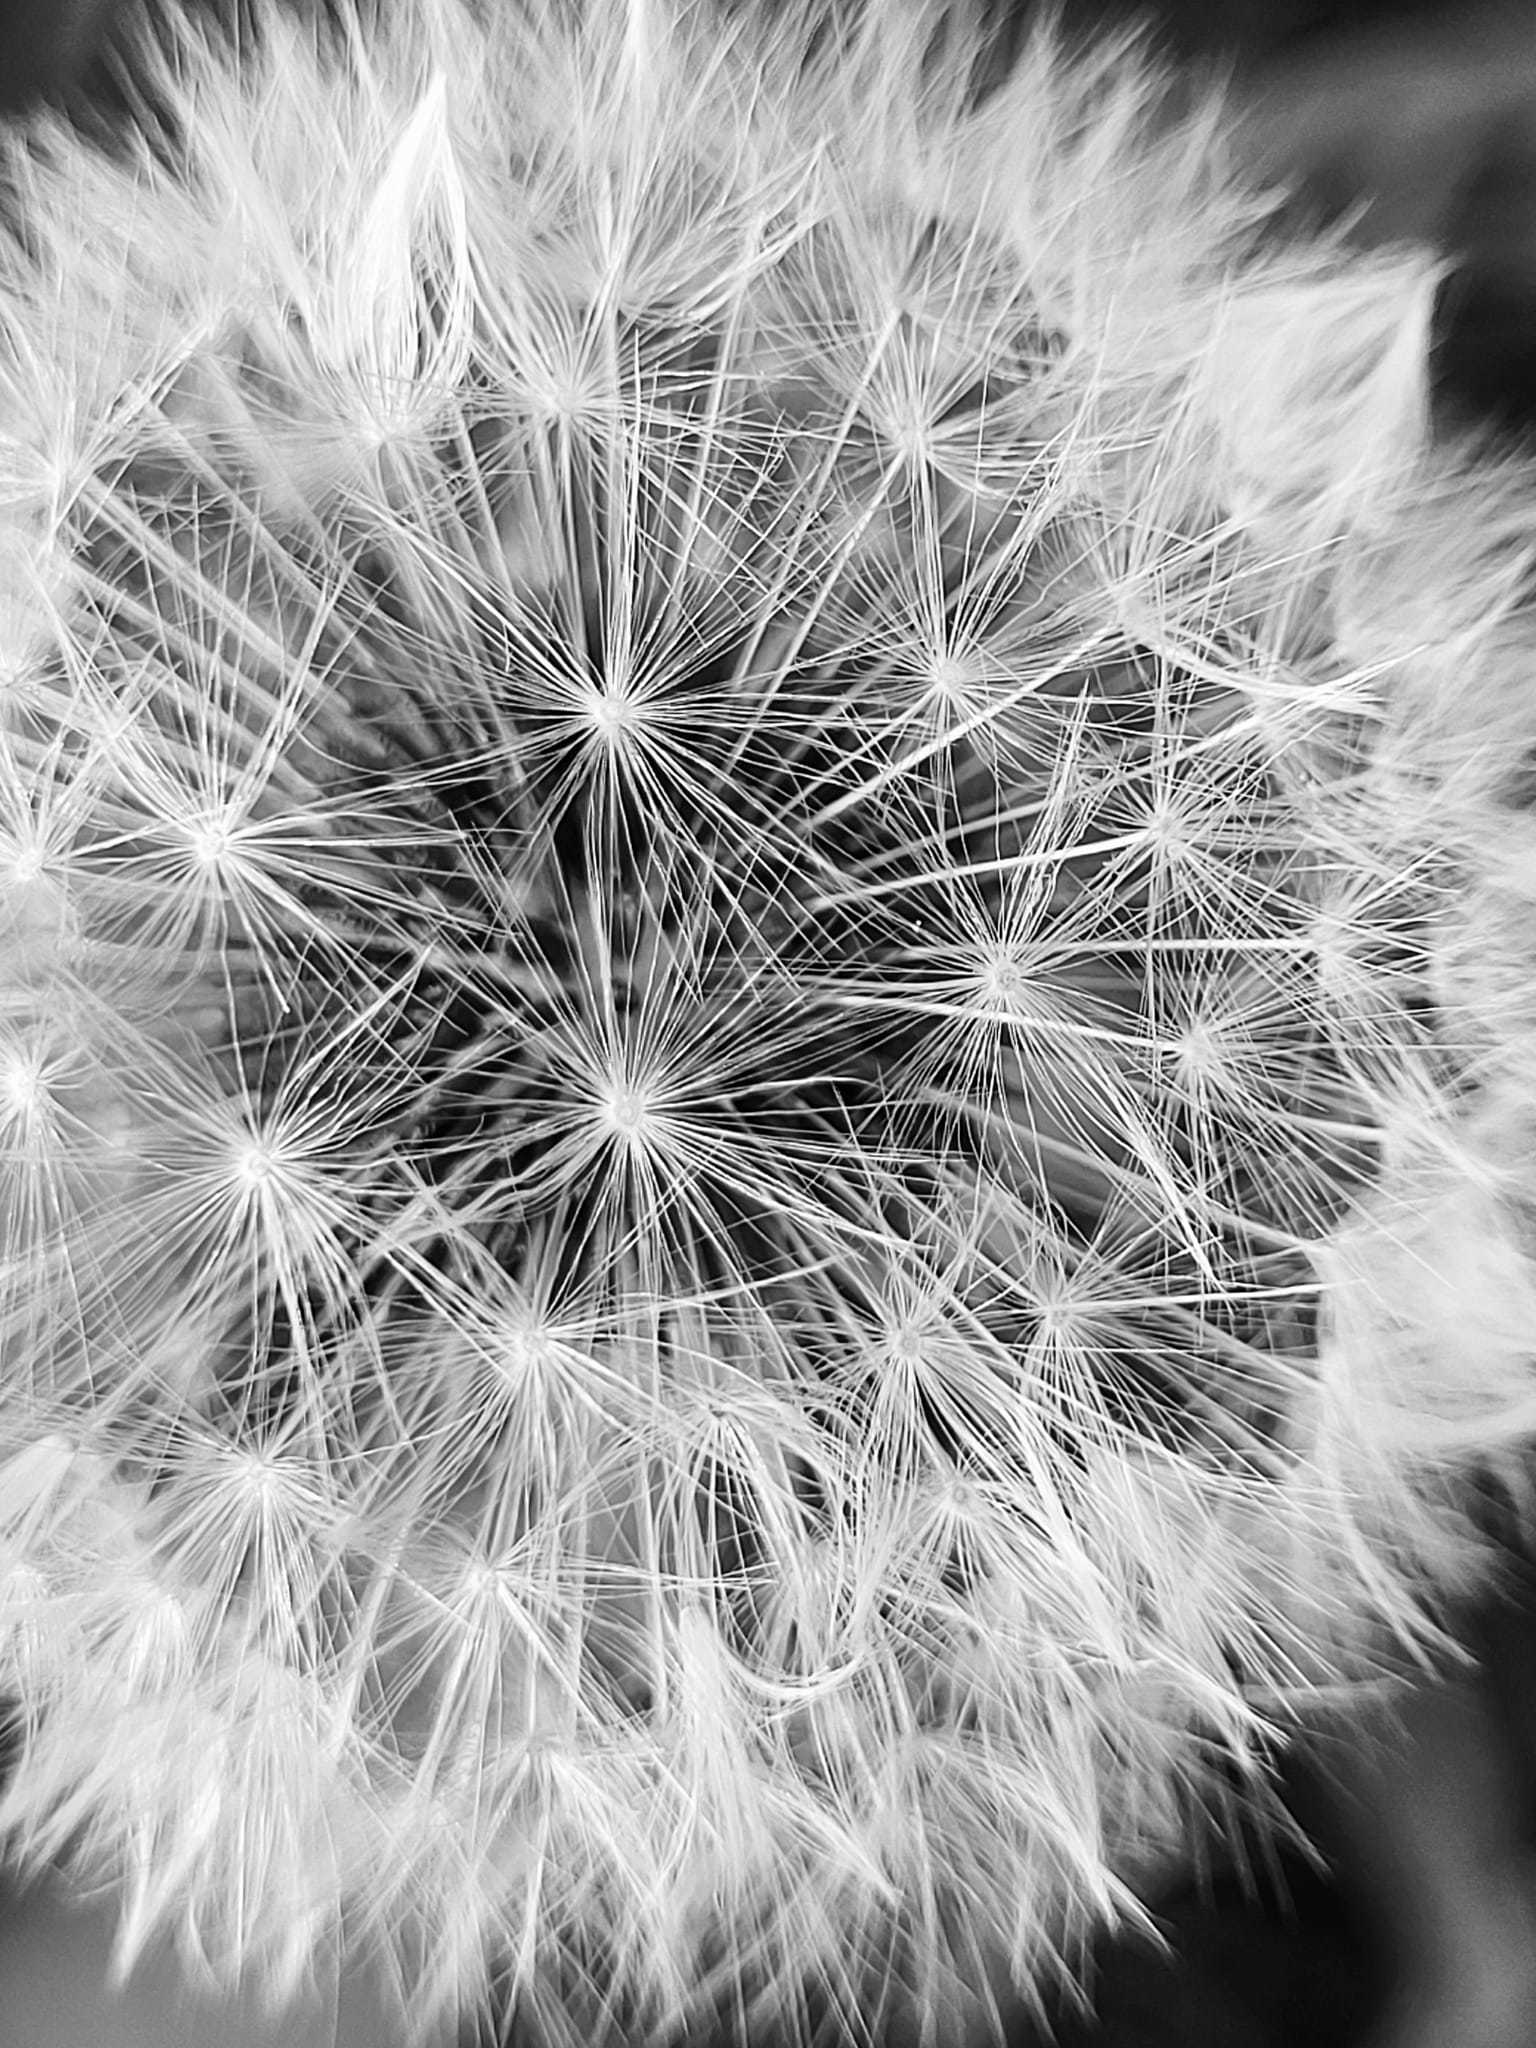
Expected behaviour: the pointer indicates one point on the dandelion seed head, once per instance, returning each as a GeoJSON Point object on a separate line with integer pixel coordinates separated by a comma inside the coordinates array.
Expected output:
{"type": "Point", "coordinates": [733, 1002]}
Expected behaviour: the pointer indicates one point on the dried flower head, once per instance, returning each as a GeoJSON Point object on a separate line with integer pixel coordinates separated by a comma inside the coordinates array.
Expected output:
{"type": "Point", "coordinates": [765, 1055]}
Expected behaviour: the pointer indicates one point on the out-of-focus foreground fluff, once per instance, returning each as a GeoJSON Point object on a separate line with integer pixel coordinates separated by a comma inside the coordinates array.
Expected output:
{"type": "Point", "coordinates": [767, 1041]}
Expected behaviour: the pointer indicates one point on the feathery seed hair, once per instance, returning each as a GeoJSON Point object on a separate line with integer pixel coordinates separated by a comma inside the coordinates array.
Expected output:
{"type": "Point", "coordinates": [766, 1057]}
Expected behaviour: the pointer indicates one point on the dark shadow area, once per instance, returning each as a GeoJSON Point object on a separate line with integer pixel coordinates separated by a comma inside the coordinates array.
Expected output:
{"type": "Point", "coordinates": [1237, 1973]}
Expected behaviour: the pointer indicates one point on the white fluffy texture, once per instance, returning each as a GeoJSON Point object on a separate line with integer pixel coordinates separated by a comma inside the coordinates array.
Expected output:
{"type": "Point", "coordinates": [765, 1023]}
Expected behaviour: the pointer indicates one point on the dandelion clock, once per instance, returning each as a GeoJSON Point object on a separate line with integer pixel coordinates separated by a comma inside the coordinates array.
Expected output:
{"type": "Point", "coordinates": [766, 1054]}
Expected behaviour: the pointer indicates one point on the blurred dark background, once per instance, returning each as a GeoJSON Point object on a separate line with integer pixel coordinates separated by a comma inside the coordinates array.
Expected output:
{"type": "Point", "coordinates": [44, 43]}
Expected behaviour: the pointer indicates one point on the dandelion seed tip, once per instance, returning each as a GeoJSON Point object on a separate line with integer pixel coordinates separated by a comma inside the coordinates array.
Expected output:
{"type": "Point", "coordinates": [1003, 977]}
{"type": "Point", "coordinates": [210, 838]}
{"type": "Point", "coordinates": [23, 1085]}
{"type": "Point", "coordinates": [523, 1342]}
{"type": "Point", "coordinates": [615, 711]}
{"type": "Point", "coordinates": [255, 1163]}
{"type": "Point", "coordinates": [23, 864]}
{"type": "Point", "coordinates": [908, 1343]}
{"type": "Point", "coordinates": [951, 676]}
{"type": "Point", "coordinates": [1197, 1051]}
{"type": "Point", "coordinates": [627, 1108]}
